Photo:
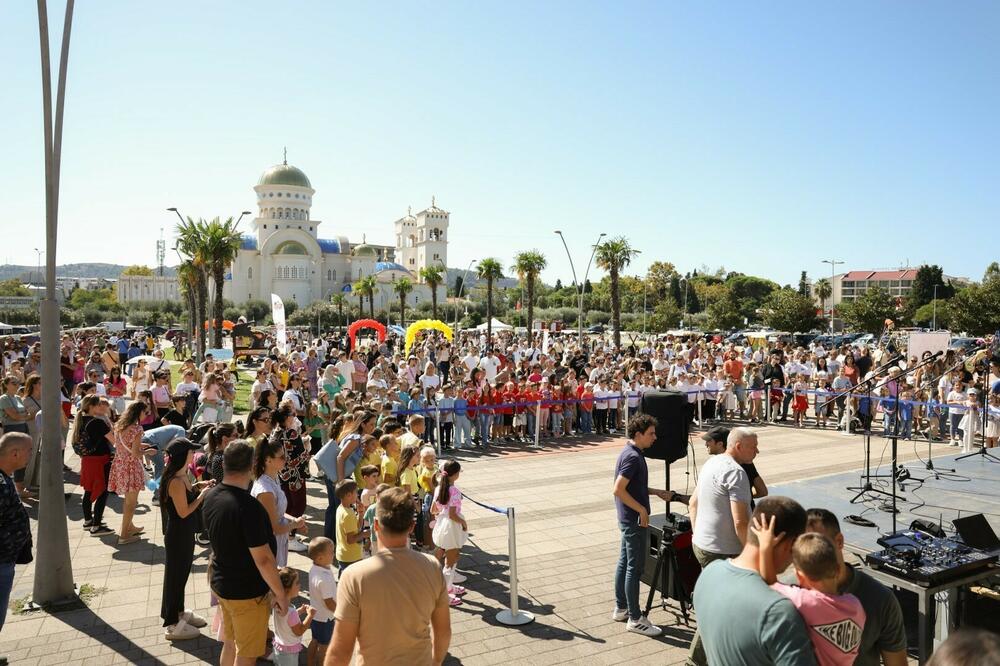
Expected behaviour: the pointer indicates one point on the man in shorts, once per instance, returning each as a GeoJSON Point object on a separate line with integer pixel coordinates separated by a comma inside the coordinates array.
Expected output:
{"type": "Point", "coordinates": [243, 566]}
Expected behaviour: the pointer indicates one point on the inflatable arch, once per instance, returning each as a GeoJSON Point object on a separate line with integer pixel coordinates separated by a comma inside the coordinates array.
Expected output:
{"type": "Point", "coordinates": [424, 324]}
{"type": "Point", "coordinates": [352, 330]}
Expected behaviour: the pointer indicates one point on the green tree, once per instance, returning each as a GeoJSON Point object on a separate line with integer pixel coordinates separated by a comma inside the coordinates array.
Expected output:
{"type": "Point", "coordinates": [433, 276]}
{"type": "Point", "coordinates": [804, 284]}
{"type": "Point", "coordinates": [869, 311]}
{"type": "Point", "coordinates": [823, 292]}
{"type": "Point", "coordinates": [13, 287]}
{"type": "Point", "coordinates": [749, 293]}
{"type": "Point", "coordinates": [491, 270]}
{"type": "Point", "coordinates": [936, 312]}
{"type": "Point", "coordinates": [614, 256]}
{"type": "Point", "coordinates": [976, 309]}
{"type": "Point", "coordinates": [256, 310]}
{"type": "Point", "coordinates": [402, 287]}
{"type": "Point", "coordinates": [339, 301]}
{"type": "Point", "coordinates": [187, 280]}
{"type": "Point", "coordinates": [528, 265]}
{"type": "Point", "coordinates": [190, 244]}
{"type": "Point", "coordinates": [660, 278]}
{"type": "Point", "coordinates": [559, 285]}
{"type": "Point", "coordinates": [369, 285]}
{"type": "Point", "coordinates": [787, 310]}
{"type": "Point", "coordinates": [724, 313]}
{"type": "Point", "coordinates": [358, 288]}
{"type": "Point", "coordinates": [665, 316]}
{"type": "Point", "coordinates": [460, 287]}
{"type": "Point", "coordinates": [220, 243]}
{"type": "Point", "coordinates": [922, 290]}
{"type": "Point", "coordinates": [137, 269]}
{"type": "Point", "coordinates": [992, 272]}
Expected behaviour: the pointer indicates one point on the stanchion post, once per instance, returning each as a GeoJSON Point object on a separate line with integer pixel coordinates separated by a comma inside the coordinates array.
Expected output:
{"type": "Point", "coordinates": [538, 423]}
{"type": "Point", "coordinates": [513, 616]}
{"type": "Point", "coordinates": [626, 410]}
{"type": "Point", "coordinates": [437, 427]}
{"type": "Point", "coordinates": [847, 423]}
{"type": "Point", "coordinates": [701, 423]}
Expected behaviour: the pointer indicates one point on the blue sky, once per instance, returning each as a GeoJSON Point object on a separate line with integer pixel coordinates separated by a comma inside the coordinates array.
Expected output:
{"type": "Point", "coordinates": [763, 137]}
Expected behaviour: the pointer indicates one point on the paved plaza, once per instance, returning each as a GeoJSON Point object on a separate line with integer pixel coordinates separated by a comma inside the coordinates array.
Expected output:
{"type": "Point", "coordinates": [567, 545]}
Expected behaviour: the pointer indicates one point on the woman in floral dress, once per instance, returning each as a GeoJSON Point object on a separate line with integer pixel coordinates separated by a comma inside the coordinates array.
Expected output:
{"type": "Point", "coordinates": [127, 475]}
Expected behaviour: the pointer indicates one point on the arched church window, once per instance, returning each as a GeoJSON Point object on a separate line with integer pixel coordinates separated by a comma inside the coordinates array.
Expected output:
{"type": "Point", "coordinates": [333, 276]}
{"type": "Point", "coordinates": [329, 275]}
{"type": "Point", "coordinates": [250, 273]}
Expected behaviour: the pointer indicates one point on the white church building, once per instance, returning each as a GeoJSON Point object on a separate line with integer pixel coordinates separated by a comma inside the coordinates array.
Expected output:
{"type": "Point", "coordinates": [286, 254]}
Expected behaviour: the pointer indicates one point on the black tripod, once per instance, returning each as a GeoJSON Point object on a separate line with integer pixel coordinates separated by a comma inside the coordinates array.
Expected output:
{"type": "Point", "coordinates": [667, 574]}
{"type": "Point", "coordinates": [982, 366]}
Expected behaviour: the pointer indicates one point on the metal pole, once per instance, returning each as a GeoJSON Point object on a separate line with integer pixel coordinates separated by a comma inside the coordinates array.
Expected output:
{"type": "Point", "coordinates": [52, 551]}
{"type": "Point", "coordinates": [934, 300]}
{"type": "Point", "coordinates": [578, 287]}
{"type": "Point", "coordinates": [513, 616]}
{"type": "Point", "coordinates": [585, 274]}
{"type": "Point", "coordinates": [538, 423]}
{"type": "Point", "coordinates": [833, 272]}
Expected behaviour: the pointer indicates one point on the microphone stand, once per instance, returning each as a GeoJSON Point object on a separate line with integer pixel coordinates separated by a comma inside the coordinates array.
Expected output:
{"type": "Point", "coordinates": [983, 367]}
{"type": "Point", "coordinates": [866, 484]}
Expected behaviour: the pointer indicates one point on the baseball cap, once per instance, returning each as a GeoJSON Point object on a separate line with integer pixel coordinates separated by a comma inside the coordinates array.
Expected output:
{"type": "Point", "coordinates": [180, 447]}
{"type": "Point", "coordinates": [716, 435]}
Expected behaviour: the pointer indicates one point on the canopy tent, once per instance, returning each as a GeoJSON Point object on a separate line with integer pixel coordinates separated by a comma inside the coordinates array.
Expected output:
{"type": "Point", "coordinates": [497, 325]}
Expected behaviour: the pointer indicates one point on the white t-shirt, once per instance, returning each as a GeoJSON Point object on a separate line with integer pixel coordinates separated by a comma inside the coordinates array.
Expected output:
{"type": "Point", "coordinates": [322, 585]}
{"type": "Point", "coordinates": [346, 370]}
{"type": "Point", "coordinates": [284, 638]}
{"type": "Point", "coordinates": [430, 382]}
{"type": "Point", "coordinates": [186, 387]}
{"type": "Point", "coordinates": [490, 365]}
{"type": "Point", "coordinates": [722, 481]}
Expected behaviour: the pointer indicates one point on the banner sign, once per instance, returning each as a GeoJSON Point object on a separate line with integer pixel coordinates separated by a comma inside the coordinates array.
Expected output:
{"type": "Point", "coordinates": [278, 315]}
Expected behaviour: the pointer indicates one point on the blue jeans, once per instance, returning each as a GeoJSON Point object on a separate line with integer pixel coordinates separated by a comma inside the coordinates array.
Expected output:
{"type": "Point", "coordinates": [160, 437]}
{"type": "Point", "coordinates": [485, 420]}
{"type": "Point", "coordinates": [557, 419]}
{"type": "Point", "coordinates": [330, 517]}
{"type": "Point", "coordinates": [6, 585]}
{"type": "Point", "coordinates": [630, 563]}
{"type": "Point", "coordinates": [530, 425]}
{"type": "Point", "coordinates": [586, 422]}
{"type": "Point", "coordinates": [463, 431]}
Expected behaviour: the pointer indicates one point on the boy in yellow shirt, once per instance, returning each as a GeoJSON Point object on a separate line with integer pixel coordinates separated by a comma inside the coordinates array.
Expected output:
{"type": "Point", "coordinates": [390, 459]}
{"type": "Point", "coordinates": [349, 532]}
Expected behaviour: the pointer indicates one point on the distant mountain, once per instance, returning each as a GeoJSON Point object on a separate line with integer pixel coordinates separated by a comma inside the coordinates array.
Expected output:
{"type": "Point", "coordinates": [88, 270]}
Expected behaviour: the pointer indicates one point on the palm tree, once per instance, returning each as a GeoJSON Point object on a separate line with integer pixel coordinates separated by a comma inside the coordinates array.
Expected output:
{"type": "Point", "coordinates": [433, 276]}
{"type": "Point", "coordinates": [613, 256]}
{"type": "Point", "coordinates": [402, 286]}
{"type": "Point", "coordinates": [370, 287]}
{"type": "Point", "coordinates": [491, 270]}
{"type": "Point", "coordinates": [190, 243]}
{"type": "Point", "coordinates": [528, 265]}
{"type": "Point", "coordinates": [187, 281]}
{"type": "Point", "coordinates": [823, 292]}
{"type": "Point", "coordinates": [221, 244]}
{"type": "Point", "coordinates": [359, 289]}
{"type": "Point", "coordinates": [340, 301]}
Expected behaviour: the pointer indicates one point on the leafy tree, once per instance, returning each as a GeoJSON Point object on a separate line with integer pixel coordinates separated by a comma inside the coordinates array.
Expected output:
{"type": "Point", "coordinates": [528, 265]}
{"type": "Point", "coordinates": [402, 287]}
{"type": "Point", "coordinates": [787, 310]}
{"type": "Point", "coordinates": [665, 316]}
{"type": "Point", "coordinates": [137, 269]}
{"type": "Point", "coordinates": [693, 302]}
{"type": "Point", "coordinates": [660, 278]}
{"type": "Point", "coordinates": [922, 290]}
{"type": "Point", "coordinates": [559, 284]}
{"type": "Point", "coordinates": [992, 272]}
{"type": "Point", "coordinates": [190, 244]}
{"type": "Point", "coordinates": [925, 314]}
{"type": "Point", "coordinates": [676, 291]}
{"type": "Point", "coordinates": [433, 276]}
{"type": "Point", "coordinates": [724, 313]}
{"type": "Point", "coordinates": [491, 270]}
{"type": "Point", "coordinates": [804, 284]}
{"type": "Point", "coordinates": [256, 310]}
{"type": "Point", "coordinates": [101, 299]}
{"type": "Point", "coordinates": [869, 311]}
{"type": "Point", "coordinates": [587, 287]}
{"type": "Point", "coordinates": [339, 301]}
{"type": "Point", "coordinates": [749, 293]}
{"type": "Point", "coordinates": [220, 244]}
{"type": "Point", "coordinates": [13, 287]}
{"type": "Point", "coordinates": [459, 286]}
{"type": "Point", "coordinates": [614, 256]}
{"type": "Point", "coordinates": [976, 309]}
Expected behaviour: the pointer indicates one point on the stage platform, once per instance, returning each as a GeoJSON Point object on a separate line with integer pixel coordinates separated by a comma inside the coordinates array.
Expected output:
{"type": "Point", "coordinates": [974, 487]}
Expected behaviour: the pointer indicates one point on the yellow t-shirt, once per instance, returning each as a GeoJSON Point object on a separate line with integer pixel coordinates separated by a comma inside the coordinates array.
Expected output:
{"type": "Point", "coordinates": [347, 523]}
{"type": "Point", "coordinates": [389, 469]}
{"type": "Point", "coordinates": [408, 480]}
{"type": "Point", "coordinates": [426, 478]}
{"type": "Point", "coordinates": [374, 459]}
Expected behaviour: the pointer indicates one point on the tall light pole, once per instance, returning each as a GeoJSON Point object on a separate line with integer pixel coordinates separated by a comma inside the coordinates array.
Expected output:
{"type": "Point", "coordinates": [934, 300]}
{"type": "Point", "coordinates": [685, 281]}
{"type": "Point", "coordinates": [579, 285]}
{"type": "Point", "coordinates": [38, 273]}
{"type": "Point", "coordinates": [54, 584]}
{"type": "Point", "coordinates": [833, 272]}
{"type": "Point", "coordinates": [461, 288]}
{"type": "Point", "coordinates": [246, 212]}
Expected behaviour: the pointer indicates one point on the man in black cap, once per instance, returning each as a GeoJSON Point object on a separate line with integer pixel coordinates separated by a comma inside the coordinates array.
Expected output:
{"type": "Point", "coordinates": [715, 442]}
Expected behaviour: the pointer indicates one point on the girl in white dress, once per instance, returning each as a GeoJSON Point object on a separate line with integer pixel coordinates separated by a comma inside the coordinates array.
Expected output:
{"type": "Point", "coordinates": [993, 422]}
{"type": "Point", "coordinates": [450, 529]}
{"type": "Point", "coordinates": [970, 423]}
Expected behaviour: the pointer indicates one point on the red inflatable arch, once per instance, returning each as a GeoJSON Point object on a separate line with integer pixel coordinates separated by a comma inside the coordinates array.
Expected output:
{"type": "Point", "coordinates": [352, 330]}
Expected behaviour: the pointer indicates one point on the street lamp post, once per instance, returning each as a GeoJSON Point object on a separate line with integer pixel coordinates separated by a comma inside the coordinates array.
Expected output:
{"type": "Point", "coordinates": [38, 273]}
{"type": "Point", "coordinates": [579, 286]}
{"type": "Point", "coordinates": [461, 288]}
{"type": "Point", "coordinates": [685, 281]}
{"type": "Point", "coordinates": [934, 300]}
{"type": "Point", "coordinates": [833, 271]}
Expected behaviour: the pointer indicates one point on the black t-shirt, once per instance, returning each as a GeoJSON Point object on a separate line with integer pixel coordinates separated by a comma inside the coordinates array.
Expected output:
{"type": "Point", "coordinates": [95, 431]}
{"type": "Point", "coordinates": [174, 417]}
{"type": "Point", "coordinates": [752, 474]}
{"type": "Point", "coordinates": [236, 522]}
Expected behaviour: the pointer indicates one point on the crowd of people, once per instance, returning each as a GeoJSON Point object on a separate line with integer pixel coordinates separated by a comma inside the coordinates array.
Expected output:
{"type": "Point", "coordinates": [370, 426]}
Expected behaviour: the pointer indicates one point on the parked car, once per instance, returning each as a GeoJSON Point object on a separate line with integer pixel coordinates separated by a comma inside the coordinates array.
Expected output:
{"type": "Point", "coordinates": [155, 331]}
{"type": "Point", "coordinates": [963, 345]}
{"type": "Point", "coordinates": [597, 328]}
{"type": "Point", "coordinates": [172, 333]}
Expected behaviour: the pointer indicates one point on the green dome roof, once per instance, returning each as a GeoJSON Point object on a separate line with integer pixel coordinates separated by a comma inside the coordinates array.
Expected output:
{"type": "Point", "coordinates": [364, 250]}
{"type": "Point", "coordinates": [284, 174]}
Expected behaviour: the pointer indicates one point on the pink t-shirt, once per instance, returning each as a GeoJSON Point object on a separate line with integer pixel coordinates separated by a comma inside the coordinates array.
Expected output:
{"type": "Point", "coordinates": [834, 622]}
{"type": "Point", "coordinates": [454, 500]}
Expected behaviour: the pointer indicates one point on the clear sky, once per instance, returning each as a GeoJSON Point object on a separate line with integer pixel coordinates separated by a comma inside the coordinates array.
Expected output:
{"type": "Point", "coordinates": [763, 137]}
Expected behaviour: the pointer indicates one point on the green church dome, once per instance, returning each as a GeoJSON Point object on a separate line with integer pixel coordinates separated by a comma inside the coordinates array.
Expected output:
{"type": "Point", "coordinates": [284, 174]}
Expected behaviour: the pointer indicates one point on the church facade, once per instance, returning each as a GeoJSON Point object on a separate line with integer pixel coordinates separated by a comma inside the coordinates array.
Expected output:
{"type": "Point", "coordinates": [286, 255]}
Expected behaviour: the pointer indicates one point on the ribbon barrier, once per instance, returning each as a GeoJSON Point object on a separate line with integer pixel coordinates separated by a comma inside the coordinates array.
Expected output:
{"type": "Point", "coordinates": [512, 616]}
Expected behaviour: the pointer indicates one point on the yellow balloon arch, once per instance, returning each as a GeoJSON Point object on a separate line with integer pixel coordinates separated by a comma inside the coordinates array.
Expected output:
{"type": "Point", "coordinates": [424, 324]}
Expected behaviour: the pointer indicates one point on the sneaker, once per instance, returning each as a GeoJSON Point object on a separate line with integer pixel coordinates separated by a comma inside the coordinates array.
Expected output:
{"type": "Point", "coordinates": [643, 626]}
{"type": "Point", "coordinates": [202, 539]}
{"type": "Point", "coordinates": [457, 590]}
{"type": "Point", "coordinates": [156, 499]}
{"type": "Point", "coordinates": [620, 615]}
{"type": "Point", "coordinates": [182, 631]}
{"type": "Point", "coordinates": [456, 577]}
{"type": "Point", "coordinates": [454, 601]}
{"type": "Point", "coordinates": [87, 524]}
{"type": "Point", "coordinates": [101, 530]}
{"type": "Point", "coordinates": [124, 541]}
{"type": "Point", "coordinates": [296, 546]}
{"type": "Point", "coordinates": [194, 619]}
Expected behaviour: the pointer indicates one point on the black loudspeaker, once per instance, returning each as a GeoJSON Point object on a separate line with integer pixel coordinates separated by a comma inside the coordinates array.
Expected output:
{"type": "Point", "coordinates": [669, 410]}
{"type": "Point", "coordinates": [672, 530]}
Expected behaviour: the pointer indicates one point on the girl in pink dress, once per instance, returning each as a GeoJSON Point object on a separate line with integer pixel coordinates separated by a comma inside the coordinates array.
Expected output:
{"type": "Point", "coordinates": [127, 475]}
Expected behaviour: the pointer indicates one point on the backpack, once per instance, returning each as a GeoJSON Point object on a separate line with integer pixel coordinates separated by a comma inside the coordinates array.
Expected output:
{"type": "Point", "coordinates": [82, 446]}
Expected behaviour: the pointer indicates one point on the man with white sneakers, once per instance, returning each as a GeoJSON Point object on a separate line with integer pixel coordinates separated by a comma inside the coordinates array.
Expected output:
{"type": "Point", "coordinates": [632, 502]}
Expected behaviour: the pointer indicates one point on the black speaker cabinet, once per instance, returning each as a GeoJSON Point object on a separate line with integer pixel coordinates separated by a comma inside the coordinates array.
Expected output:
{"type": "Point", "coordinates": [669, 410]}
{"type": "Point", "coordinates": [676, 529]}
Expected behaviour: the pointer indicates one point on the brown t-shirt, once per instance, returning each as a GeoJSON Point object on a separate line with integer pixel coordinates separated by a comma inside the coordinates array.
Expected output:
{"type": "Point", "coordinates": [400, 584]}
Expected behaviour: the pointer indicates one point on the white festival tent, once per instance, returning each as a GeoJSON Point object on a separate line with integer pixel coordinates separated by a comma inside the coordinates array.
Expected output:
{"type": "Point", "coordinates": [497, 326]}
